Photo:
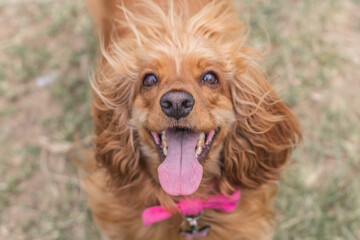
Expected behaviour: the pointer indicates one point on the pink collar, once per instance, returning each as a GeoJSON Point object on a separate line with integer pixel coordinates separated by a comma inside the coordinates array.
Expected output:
{"type": "Point", "coordinates": [192, 206]}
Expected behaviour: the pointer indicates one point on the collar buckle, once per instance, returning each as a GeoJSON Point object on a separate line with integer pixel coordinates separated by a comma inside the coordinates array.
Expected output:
{"type": "Point", "coordinates": [194, 231]}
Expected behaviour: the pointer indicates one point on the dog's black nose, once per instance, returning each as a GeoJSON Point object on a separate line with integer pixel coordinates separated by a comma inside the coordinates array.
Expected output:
{"type": "Point", "coordinates": [177, 104]}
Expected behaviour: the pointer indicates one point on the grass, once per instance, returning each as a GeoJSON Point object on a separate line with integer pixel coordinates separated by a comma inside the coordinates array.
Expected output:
{"type": "Point", "coordinates": [40, 197]}
{"type": "Point", "coordinates": [318, 196]}
{"type": "Point", "coordinates": [311, 60]}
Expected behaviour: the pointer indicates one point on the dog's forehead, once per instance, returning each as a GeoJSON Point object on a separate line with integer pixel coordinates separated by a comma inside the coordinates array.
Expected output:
{"type": "Point", "coordinates": [170, 68]}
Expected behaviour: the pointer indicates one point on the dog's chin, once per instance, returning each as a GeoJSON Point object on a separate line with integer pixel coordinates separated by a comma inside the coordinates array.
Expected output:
{"type": "Point", "coordinates": [182, 152]}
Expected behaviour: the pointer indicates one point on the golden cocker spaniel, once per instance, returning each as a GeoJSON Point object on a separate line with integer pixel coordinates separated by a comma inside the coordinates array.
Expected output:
{"type": "Point", "coordinates": [190, 137]}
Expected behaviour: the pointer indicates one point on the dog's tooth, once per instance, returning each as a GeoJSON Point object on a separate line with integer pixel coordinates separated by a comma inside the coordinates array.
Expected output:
{"type": "Point", "coordinates": [164, 143]}
{"type": "Point", "coordinates": [201, 140]}
{"type": "Point", "coordinates": [165, 150]}
{"type": "Point", "coordinates": [163, 139]}
{"type": "Point", "coordinates": [198, 151]}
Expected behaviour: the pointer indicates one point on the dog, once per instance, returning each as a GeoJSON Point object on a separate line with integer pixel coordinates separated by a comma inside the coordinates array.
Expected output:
{"type": "Point", "coordinates": [190, 137]}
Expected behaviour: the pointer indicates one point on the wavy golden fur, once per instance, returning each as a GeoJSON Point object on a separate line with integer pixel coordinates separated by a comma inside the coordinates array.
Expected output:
{"type": "Point", "coordinates": [179, 40]}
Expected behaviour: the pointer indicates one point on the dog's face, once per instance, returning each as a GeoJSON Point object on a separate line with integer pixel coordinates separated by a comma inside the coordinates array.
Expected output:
{"type": "Point", "coordinates": [184, 101]}
{"type": "Point", "coordinates": [183, 112]}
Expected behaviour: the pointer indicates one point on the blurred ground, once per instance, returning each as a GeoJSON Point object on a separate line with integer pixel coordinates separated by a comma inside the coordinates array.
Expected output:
{"type": "Point", "coordinates": [47, 51]}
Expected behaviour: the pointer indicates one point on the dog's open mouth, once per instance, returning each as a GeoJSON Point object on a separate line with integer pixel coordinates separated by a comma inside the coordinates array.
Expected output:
{"type": "Point", "coordinates": [181, 152]}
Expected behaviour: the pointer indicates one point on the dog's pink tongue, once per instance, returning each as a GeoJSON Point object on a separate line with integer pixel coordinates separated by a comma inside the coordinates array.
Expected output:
{"type": "Point", "coordinates": [180, 173]}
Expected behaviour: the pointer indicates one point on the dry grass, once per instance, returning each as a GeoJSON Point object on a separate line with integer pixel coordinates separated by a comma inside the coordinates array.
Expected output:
{"type": "Point", "coordinates": [313, 60]}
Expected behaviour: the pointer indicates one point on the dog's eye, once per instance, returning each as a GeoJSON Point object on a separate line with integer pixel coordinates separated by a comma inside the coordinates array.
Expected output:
{"type": "Point", "coordinates": [210, 79]}
{"type": "Point", "coordinates": [150, 80]}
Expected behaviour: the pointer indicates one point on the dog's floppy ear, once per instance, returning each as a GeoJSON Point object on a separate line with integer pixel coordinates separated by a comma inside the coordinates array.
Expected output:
{"type": "Point", "coordinates": [265, 129]}
{"type": "Point", "coordinates": [115, 140]}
